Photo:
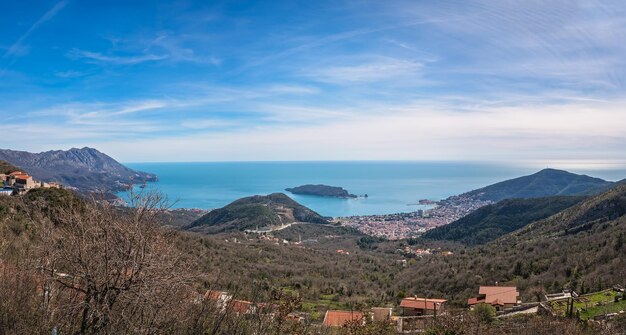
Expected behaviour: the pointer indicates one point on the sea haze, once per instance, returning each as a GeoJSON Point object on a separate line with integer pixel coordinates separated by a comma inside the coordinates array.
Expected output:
{"type": "Point", "coordinates": [392, 187]}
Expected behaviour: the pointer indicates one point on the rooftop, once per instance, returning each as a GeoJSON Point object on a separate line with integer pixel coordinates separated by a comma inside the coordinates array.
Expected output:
{"type": "Point", "coordinates": [340, 318]}
{"type": "Point", "coordinates": [422, 303]}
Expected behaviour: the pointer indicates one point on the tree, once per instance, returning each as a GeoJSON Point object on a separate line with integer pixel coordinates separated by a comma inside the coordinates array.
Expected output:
{"type": "Point", "coordinates": [485, 313]}
{"type": "Point", "coordinates": [108, 269]}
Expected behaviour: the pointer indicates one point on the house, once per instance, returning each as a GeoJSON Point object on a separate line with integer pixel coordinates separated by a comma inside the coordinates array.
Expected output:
{"type": "Point", "coordinates": [23, 182]}
{"type": "Point", "coordinates": [6, 191]}
{"type": "Point", "coordinates": [242, 307]}
{"type": "Point", "coordinates": [220, 298]}
{"type": "Point", "coordinates": [500, 297]}
{"type": "Point", "coordinates": [415, 306]}
{"type": "Point", "coordinates": [20, 182]}
{"type": "Point", "coordinates": [381, 314]}
{"type": "Point", "coordinates": [340, 318]}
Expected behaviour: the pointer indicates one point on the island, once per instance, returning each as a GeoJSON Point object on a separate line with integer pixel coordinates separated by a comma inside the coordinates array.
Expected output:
{"type": "Point", "coordinates": [321, 190]}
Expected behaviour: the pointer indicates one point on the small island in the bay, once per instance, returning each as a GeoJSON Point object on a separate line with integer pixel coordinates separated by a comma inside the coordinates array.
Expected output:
{"type": "Point", "coordinates": [321, 190]}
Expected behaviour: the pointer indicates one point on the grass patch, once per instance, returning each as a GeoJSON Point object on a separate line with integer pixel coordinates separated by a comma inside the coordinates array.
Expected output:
{"type": "Point", "coordinates": [591, 305]}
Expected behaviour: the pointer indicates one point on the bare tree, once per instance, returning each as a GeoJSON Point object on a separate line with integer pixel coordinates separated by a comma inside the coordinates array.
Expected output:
{"type": "Point", "coordinates": [108, 269]}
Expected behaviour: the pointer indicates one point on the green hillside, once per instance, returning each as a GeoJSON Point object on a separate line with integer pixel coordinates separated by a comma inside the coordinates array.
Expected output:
{"type": "Point", "coordinates": [492, 221]}
{"type": "Point", "coordinates": [6, 167]}
{"type": "Point", "coordinates": [255, 211]}
{"type": "Point", "coordinates": [547, 182]}
{"type": "Point", "coordinates": [581, 247]}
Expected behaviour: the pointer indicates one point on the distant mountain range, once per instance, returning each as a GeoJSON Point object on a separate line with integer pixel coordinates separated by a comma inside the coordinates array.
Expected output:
{"type": "Point", "coordinates": [492, 221]}
{"type": "Point", "coordinates": [255, 211]}
{"type": "Point", "coordinates": [547, 182]}
{"type": "Point", "coordinates": [86, 169]}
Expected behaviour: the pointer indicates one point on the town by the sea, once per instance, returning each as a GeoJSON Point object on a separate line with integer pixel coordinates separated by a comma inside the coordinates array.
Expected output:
{"type": "Point", "coordinates": [392, 187]}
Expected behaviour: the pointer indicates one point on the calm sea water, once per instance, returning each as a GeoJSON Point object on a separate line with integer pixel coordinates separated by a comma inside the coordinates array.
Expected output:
{"type": "Point", "coordinates": [392, 187]}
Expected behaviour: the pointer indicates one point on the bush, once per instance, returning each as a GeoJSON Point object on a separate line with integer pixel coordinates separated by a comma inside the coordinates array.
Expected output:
{"type": "Point", "coordinates": [485, 313]}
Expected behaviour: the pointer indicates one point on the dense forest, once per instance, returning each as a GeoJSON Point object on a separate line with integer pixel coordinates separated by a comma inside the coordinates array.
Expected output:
{"type": "Point", "coordinates": [492, 221]}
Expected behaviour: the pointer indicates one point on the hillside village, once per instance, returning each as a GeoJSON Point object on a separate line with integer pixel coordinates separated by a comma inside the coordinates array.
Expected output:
{"type": "Point", "coordinates": [417, 314]}
{"type": "Point", "coordinates": [18, 182]}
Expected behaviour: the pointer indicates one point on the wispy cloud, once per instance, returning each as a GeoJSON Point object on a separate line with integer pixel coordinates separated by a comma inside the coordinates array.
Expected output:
{"type": "Point", "coordinates": [207, 123]}
{"type": "Point", "coordinates": [18, 48]}
{"type": "Point", "coordinates": [46, 17]}
{"type": "Point", "coordinates": [98, 57]}
{"type": "Point", "coordinates": [510, 134]}
{"type": "Point", "coordinates": [381, 68]}
{"type": "Point", "coordinates": [478, 79]}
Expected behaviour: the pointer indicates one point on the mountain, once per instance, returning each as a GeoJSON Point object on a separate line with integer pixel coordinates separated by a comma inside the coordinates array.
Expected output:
{"type": "Point", "coordinates": [321, 190]}
{"type": "Point", "coordinates": [86, 169]}
{"type": "Point", "coordinates": [547, 182]}
{"type": "Point", "coordinates": [255, 211]}
{"type": "Point", "coordinates": [492, 221]}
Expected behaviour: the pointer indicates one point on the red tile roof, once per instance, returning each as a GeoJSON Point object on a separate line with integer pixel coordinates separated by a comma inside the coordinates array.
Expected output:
{"type": "Point", "coordinates": [241, 306]}
{"type": "Point", "coordinates": [422, 303]}
{"type": "Point", "coordinates": [214, 295]}
{"type": "Point", "coordinates": [340, 318]}
{"type": "Point", "coordinates": [505, 294]}
{"type": "Point", "coordinates": [474, 301]}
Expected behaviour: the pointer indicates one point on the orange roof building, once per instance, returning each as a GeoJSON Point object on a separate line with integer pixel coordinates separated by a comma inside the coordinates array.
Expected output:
{"type": "Point", "coordinates": [422, 306]}
{"type": "Point", "coordinates": [497, 296]}
{"type": "Point", "coordinates": [242, 307]}
{"type": "Point", "coordinates": [340, 318]}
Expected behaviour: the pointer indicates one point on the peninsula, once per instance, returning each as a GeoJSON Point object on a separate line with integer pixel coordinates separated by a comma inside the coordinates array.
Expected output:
{"type": "Point", "coordinates": [321, 190]}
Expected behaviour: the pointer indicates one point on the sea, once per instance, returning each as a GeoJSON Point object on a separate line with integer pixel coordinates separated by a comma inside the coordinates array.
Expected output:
{"type": "Point", "coordinates": [391, 187]}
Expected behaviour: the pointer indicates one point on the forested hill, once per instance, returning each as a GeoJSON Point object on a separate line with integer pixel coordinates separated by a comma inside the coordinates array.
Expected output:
{"type": "Point", "coordinates": [547, 182]}
{"type": "Point", "coordinates": [6, 167]}
{"type": "Point", "coordinates": [600, 213]}
{"type": "Point", "coordinates": [581, 247]}
{"type": "Point", "coordinates": [86, 169]}
{"type": "Point", "coordinates": [492, 221]}
{"type": "Point", "coordinates": [255, 211]}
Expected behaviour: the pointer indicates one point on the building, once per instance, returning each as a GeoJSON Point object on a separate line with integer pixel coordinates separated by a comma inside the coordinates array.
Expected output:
{"type": "Point", "coordinates": [220, 298]}
{"type": "Point", "coordinates": [500, 297]}
{"type": "Point", "coordinates": [24, 182]}
{"type": "Point", "coordinates": [415, 306]}
{"type": "Point", "coordinates": [20, 182]}
{"type": "Point", "coordinates": [340, 318]}
{"type": "Point", "coordinates": [6, 191]}
{"type": "Point", "coordinates": [242, 307]}
{"type": "Point", "coordinates": [381, 314]}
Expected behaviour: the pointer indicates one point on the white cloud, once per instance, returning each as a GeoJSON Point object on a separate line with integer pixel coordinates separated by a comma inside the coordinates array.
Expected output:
{"type": "Point", "coordinates": [373, 70]}
{"type": "Point", "coordinates": [98, 57]}
{"type": "Point", "coordinates": [207, 123]}
{"type": "Point", "coordinates": [521, 133]}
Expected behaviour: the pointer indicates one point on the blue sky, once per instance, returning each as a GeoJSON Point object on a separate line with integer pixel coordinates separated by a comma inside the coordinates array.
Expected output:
{"type": "Point", "coordinates": [532, 81]}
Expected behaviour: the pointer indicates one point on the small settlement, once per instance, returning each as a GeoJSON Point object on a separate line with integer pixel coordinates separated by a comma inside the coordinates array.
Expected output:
{"type": "Point", "coordinates": [18, 182]}
{"type": "Point", "coordinates": [413, 315]}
